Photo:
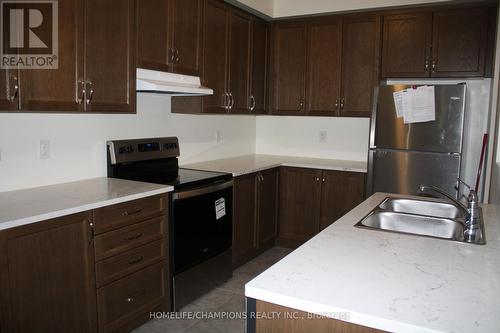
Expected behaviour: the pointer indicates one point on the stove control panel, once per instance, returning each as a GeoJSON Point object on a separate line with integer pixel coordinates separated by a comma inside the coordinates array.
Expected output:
{"type": "Point", "coordinates": [142, 149]}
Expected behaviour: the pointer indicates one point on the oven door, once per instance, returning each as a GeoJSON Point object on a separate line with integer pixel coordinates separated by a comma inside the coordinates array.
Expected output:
{"type": "Point", "coordinates": [201, 224]}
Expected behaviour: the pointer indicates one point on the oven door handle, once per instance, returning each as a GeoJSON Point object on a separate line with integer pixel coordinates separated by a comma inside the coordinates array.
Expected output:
{"type": "Point", "coordinates": [201, 190]}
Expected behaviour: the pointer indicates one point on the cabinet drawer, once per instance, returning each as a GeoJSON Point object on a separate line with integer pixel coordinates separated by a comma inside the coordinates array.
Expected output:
{"type": "Point", "coordinates": [122, 300]}
{"type": "Point", "coordinates": [118, 241]}
{"type": "Point", "coordinates": [123, 264]}
{"type": "Point", "coordinates": [120, 215]}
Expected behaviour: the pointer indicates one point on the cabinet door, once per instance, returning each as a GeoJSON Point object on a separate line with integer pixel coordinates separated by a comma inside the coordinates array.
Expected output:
{"type": "Point", "coordinates": [289, 68]}
{"type": "Point", "coordinates": [323, 67]}
{"type": "Point", "coordinates": [260, 54]}
{"type": "Point", "coordinates": [244, 218]}
{"type": "Point", "coordinates": [406, 45]}
{"type": "Point", "coordinates": [152, 34]}
{"type": "Point", "coordinates": [186, 18]}
{"type": "Point", "coordinates": [9, 99]}
{"type": "Point", "coordinates": [215, 55]}
{"type": "Point", "coordinates": [239, 61]}
{"type": "Point", "coordinates": [268, 206]}
{"type": "Point", "coordinates": [341, 191]}
{"type": "Point", "coordinates": [300, 194]}
{"type": "Point", "coordinates": [59, 89]}
{"type": "Point", "coordinates": [459, 42]}
{"type": "Point", "coordinates": [360, 65]}
{"type": "Point", "coordinates": [109, 55]}
{"type": "Point", "coordinates": [50, 277]}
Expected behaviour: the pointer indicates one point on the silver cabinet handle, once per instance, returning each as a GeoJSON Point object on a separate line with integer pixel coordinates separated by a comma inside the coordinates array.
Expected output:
{"type": "Point", "coordinates": [252, 103]}
{"type": "Point", "coordinates": [80, 83]}
{"type": "Point", "coordinates": [129, 299]}
{"type": "Point", "coordinates": [231, 103]}
{"type": "Point", "coordinates": [13, 97]}
{"type": "Point", "coordinates": [176, 55]}
{"type": "Point", "coordinates": [434, 65]}
{"type": "Point", "coordinates": [342, 103]}
{"type": "Point", "coordinates": [323, 180]}
{"type": "Point", "coordinates": [225, 101]}
{"type": "Point", "coordinates": [301, 104]}
{"type": "Point", "coordinates": [426, 67]}
{"type": "Point", "coordinates": [317, 179]}
{"type": "Point", "coordinates": [172, 55]}
{"type": "Point", "coordinates": [91, 94]}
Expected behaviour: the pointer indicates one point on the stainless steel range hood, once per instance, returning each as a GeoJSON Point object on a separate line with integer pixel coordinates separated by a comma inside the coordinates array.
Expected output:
{"type": "Point", "coordinates": [149, 81]}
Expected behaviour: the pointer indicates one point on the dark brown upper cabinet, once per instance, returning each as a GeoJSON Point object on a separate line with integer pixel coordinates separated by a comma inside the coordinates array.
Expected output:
{"type": "Point", "coordinates": [323, 67]}
{"type": "Point", "coordinates": [227, 56]}
{"type": "Point", "coordinates": [406, 45]}
{"type": "Point", "coordinates": [56, 89]}
{"type": "Point", "coordinates": [260, 55]}
{"type": "Point", "coordinates": [459, 42]}
{"type": "Point", "coordinates": [288, 68]}
{"type": "Point", "coordinates": [215, 56]}
{"type": "Point", "coordinates": [169, 35]}
{"type": "Point", "coordinates": [360, 65]}
{"type": "Point", "coordinates": [444, 43]}
{"type": "Point", "coordinates": [239, 61]}
{"type": "Point", "coordinates": [109, 56]}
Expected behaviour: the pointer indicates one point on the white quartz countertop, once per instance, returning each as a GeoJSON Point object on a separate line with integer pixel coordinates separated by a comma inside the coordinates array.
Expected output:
{"type": "Point", "coordinates": [41, 203]}
{"type": "Point", "coordinates": [389, 281]}
{"type": "Point", "coordinates": [240, 165]}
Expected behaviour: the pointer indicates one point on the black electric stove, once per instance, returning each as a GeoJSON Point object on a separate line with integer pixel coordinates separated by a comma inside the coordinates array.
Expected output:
{"type": "Point", "coordinates": [200, 214]}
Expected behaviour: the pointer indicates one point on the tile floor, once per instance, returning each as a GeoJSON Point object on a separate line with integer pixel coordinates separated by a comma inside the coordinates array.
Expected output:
{"type": "Point", "coordinates": [227, 297]}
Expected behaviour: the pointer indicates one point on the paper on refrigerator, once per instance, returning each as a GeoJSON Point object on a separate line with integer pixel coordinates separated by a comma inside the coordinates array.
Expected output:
{"type": "Point", "coordinates": [415, 105]}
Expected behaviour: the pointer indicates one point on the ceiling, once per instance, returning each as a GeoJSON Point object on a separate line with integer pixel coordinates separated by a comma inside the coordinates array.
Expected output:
{"type": "Point", "coordinates": [285, 8]}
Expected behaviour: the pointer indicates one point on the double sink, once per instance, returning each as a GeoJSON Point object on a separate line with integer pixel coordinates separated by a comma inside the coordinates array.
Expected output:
{"type": "Point", "coordinates": [419, 217]}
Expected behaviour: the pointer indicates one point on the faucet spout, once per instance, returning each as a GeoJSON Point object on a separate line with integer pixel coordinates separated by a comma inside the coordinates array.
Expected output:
{"type": "Point", "coordinates": [428, 188]}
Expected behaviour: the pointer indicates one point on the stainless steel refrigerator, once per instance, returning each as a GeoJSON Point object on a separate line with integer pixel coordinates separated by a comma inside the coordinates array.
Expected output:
{"type": "Point", "coordinates": [403, 156]}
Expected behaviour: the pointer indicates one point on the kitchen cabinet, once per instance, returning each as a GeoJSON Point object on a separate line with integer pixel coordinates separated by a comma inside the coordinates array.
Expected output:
{"type": "Point", "coordinates": [47, 275]}
{"type": "Point", "coordinates": [339, 63]}
{"type": "Point", "coordinates": [255, 198]}
{"type": "Point", "coordinates": [239, 61]}
{"type": "Point", "coordinates": [226, 58]}
{"type": "Point", "coordinates": [288, 68]}
{"type": "Point", "coordinates": [323, 67]}
{"type": "Point", "coordinates": [300, 205]}
{"type": "Point", "coordinates": [169, 35]}
{"type": "Point", "coordinates": [312, 199]}
{"type": "Point", "coordinates": [56, 89]}
{"type": "Point", "coordinates": [260, 55]}
{"type": "Point", "coordinates": [360, 64]}
{"type": "Point", "coordinates": [109, 56]}
{"type": "Point", "coordinates": [442, 43]}
{"type": "Point", "coordinates": [215, 56]}
{"type": "Point", "coordinates": [341, 191]}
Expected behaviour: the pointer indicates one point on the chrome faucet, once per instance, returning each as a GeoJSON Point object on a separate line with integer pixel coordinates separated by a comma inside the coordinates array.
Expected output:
{"type": "Point", "coordinates": [473, 224]}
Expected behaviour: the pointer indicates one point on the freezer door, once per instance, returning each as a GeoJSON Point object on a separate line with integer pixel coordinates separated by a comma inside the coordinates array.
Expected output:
{"type": "Point", "coordinates": [443, 135]}
{"type": "Point", "coordinates": [402, 171]}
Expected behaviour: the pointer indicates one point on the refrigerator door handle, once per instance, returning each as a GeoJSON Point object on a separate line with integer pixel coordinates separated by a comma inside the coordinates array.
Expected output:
{"type": "Point", "coordinates": [373, 119]}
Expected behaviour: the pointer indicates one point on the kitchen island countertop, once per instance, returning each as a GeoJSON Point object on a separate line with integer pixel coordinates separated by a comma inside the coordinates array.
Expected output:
{"type": "Point", "coordinates": [47, 202]}
{"type": "Point", "coordinates": [240, 165]}
{"type": "Point", "coordinates": [390, 281]}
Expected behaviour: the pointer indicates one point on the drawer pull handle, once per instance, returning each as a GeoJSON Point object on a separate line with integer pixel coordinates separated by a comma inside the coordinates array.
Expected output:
{"type": "Point", "coordinates": [129, 299]}
{"type": "Point", "coordinates": [136, 261]}
{"type": "Point", "coordinates": [133, 212]}
{"type": "Point", "coordinates": [136, 236]}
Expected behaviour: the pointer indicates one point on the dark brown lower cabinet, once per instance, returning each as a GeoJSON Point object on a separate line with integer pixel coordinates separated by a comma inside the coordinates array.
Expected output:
{"type": "Point", "coordinates": [49, 271]}
{"type": "Point", "coordinates": [312, 199]}
{"type": "Point", "coordinates": [255, 201]}
{"type": "Point", "coordinates": [47, 277]}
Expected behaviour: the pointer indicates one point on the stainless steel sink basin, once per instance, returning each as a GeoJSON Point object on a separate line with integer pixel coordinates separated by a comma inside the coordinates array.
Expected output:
{"type": "Point", "coordinates": [414, 224]}
{"type": "Point", "coordinates": [422, 207]}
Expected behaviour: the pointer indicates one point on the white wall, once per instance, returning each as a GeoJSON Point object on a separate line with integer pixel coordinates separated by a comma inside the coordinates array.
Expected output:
{"type": "Point", "coordinates": [347, 138]}
{"type": "Point", "coordinates": [78, 141]}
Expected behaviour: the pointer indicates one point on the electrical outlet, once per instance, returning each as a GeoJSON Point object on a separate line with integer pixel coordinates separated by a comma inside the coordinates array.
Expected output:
{"type": "Point", "coordinates": [322, 136]}
{"type": "Point", "coordinates": [44, 149]}
{"type": "Point", "coordinates": [218, 136]}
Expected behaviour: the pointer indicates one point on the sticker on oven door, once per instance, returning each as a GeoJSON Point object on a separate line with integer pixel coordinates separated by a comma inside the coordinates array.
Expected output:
{"type": "Point", "coordinates": [220, 208]}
